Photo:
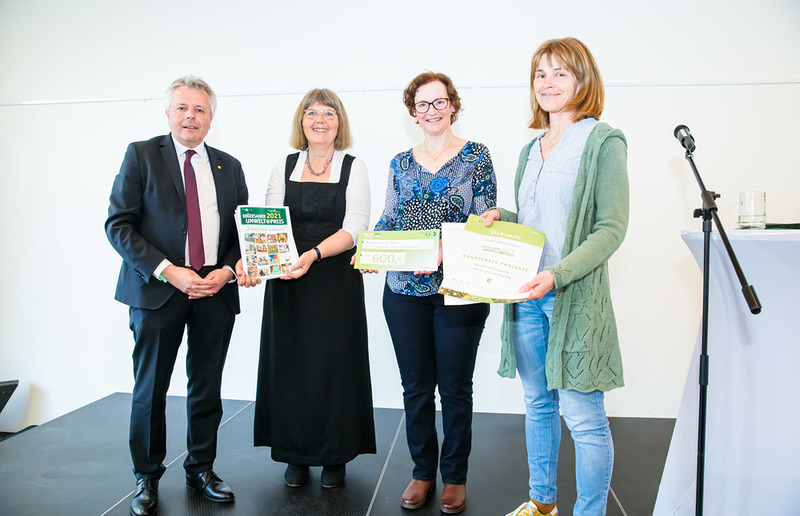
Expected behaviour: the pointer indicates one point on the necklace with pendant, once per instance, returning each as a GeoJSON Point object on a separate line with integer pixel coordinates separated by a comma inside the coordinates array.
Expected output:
{"type": "Point", "coordinates": [425, 144]}
{"type": "Point", "coordinates": [324, 168]}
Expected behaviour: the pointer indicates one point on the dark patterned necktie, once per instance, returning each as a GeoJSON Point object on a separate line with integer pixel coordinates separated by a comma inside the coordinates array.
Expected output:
{"type": "Point", "coordinates": [197, 254]}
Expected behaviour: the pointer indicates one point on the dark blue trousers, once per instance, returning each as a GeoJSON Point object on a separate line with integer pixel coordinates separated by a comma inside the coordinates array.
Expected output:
{"type": "Point", "coordinates": [158, 335]}
{"type": "Point", "coordinates": [436, 346]}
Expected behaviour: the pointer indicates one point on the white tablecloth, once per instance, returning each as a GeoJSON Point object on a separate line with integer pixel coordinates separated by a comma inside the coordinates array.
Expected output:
{"type": "Point", "coordinates": [753, 418]}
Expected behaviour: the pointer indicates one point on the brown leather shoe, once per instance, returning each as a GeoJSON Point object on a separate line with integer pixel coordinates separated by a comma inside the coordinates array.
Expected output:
{"type": "Point", "coordinates": [416, 494]}
{"type": "Point", "coordinates": [454, 498]}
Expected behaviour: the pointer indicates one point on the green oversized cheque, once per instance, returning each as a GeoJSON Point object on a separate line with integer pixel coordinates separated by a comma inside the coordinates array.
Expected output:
{"type": "Point", "coordinates": [490, 264]}
{"type": "Point", "coordinates": [398, 250]}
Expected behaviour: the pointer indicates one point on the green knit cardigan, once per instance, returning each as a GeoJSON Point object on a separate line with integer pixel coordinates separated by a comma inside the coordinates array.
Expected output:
{"type": "Point", "coordinates": [583, 348]}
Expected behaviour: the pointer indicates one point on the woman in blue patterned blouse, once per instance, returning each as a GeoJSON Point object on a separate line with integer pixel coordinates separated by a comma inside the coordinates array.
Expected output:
{"type": "Point", "coordinates": [443, 179]}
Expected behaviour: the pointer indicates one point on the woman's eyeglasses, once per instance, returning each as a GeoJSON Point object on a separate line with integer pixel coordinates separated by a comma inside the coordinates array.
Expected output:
{"type": "Point", "coordinates": [313, 113]}
{"type": "Point", "coordinates": [438, 104]}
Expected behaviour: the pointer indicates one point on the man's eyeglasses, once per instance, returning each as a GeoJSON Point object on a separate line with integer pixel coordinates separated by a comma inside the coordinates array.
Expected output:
{"type": "Point", "coordinates": [438, 104]}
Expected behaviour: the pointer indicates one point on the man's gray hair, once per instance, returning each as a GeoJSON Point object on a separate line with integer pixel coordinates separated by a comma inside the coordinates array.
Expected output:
{"type": "Point", "coordinates": [194, 82]}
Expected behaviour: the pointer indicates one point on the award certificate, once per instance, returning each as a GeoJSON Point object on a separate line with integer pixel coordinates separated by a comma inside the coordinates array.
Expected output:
{"type": "Point", "coordinates": [398, 250]}
{"type": "Point", "coordinates": [451, 239]}
{"type": "Point", "coordinates": [266, 240]}
{"type": "Point", "coordinates": [492, 263]}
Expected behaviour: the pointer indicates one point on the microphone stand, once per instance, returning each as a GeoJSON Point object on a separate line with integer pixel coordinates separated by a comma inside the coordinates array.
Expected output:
{"type": "Point", "coordinates": [708, 213]}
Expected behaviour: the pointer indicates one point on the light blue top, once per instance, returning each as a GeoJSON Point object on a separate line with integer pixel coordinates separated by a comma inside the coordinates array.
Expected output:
{"type": "Point", "coordinates": [545, 193]}
{"type": "Point", "coordinates": [583, 346]}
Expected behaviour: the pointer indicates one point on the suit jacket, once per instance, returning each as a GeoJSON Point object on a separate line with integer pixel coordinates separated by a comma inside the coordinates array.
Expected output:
{"type": "Point", "coordinates": [147, 219]}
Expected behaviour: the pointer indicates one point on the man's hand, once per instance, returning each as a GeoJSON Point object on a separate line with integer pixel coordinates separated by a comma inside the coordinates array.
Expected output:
{"type": "Point", "coordinates": [214, 281]}
{"type": "Point", "coordinates": [191, 284]}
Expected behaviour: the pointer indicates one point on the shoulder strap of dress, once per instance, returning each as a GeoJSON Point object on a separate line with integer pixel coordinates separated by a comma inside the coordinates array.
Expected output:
{"type": "Point", "coordinates": [291, 162]}
{"type": "Point", "coordinates": [347, 164]}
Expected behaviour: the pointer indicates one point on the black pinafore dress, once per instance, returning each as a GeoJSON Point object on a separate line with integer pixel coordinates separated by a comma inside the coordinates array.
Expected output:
{"type": "Point", "coordinates": [314, 396]}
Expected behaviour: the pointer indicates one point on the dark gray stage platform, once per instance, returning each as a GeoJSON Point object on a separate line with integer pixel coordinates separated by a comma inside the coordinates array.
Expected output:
{"type": "Point", "coordinates": [78, 464]}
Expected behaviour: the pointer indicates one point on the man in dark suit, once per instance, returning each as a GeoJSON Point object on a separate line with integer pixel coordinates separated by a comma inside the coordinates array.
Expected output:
{"type": "Point", "coordinates": [171, 218]}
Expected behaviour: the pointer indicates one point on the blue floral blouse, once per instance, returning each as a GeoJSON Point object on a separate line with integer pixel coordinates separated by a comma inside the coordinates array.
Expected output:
{"type": "Point", "coordinates": [418, 199]}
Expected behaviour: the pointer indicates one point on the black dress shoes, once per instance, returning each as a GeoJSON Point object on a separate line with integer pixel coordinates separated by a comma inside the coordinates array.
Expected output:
{"type": "Point", "coordinates": [212, 487]}
{"type": "Point", "coordinates": [145, 501]}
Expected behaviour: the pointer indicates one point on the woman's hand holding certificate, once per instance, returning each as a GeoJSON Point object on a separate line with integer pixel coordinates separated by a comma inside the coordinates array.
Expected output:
{"type": "Point", "coordinates": [398, 250]}
{"type": "Point", "coordinates": [492, 262]}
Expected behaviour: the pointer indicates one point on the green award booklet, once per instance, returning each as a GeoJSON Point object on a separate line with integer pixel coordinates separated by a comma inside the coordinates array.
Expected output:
{"type": "Point", "coordinates": [489, 265]}
{"type": "Point", "coordinates": [398, 250]}
{"type": "Point", "coordinates": [266, 240]}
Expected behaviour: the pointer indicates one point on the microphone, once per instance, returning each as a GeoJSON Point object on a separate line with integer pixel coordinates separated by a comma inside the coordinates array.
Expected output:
{"type": "Point", "coordinates": [684, 136]}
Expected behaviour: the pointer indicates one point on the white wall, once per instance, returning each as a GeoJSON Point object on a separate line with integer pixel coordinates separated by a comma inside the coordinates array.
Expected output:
{"type": "Point", "coordinates": [82, 79]}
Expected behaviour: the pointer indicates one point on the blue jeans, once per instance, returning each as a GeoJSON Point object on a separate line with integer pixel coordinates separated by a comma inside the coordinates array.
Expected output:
{"type": "Point", "coordinates": [584, 414]}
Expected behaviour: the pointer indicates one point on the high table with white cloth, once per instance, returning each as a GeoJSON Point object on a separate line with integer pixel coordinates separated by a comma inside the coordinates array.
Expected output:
{"type": "Point", "coordinates": [752, 463]}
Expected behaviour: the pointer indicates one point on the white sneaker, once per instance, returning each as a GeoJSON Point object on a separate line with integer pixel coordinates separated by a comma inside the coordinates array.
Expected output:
{"type": "Point", "coordinates": [529, 509]}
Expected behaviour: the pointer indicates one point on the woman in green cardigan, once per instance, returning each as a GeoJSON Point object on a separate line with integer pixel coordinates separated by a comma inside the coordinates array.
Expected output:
{"type": "Point", "coordinates": [572, 185]}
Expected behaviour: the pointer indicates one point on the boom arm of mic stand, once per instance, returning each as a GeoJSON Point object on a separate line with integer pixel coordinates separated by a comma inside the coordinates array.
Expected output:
{"type": "Point", "coordinates": [747, 290]}
{"type": "Point", "coordinates": [710, 206]}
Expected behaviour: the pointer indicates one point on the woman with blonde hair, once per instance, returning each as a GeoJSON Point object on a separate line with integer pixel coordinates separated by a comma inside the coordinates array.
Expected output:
{"type": "Point", "coordinates": [314, 397]}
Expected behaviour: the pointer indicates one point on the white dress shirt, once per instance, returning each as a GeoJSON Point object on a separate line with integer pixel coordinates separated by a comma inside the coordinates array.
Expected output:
{"type": "Point", "coordinates": [207, 195]}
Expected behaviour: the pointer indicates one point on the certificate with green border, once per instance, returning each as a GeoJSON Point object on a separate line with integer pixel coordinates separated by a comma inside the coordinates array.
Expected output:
{"type": "Point", "coordinates": [398, 250]}
{"type": "Point", "coordinates": [491, 264]}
